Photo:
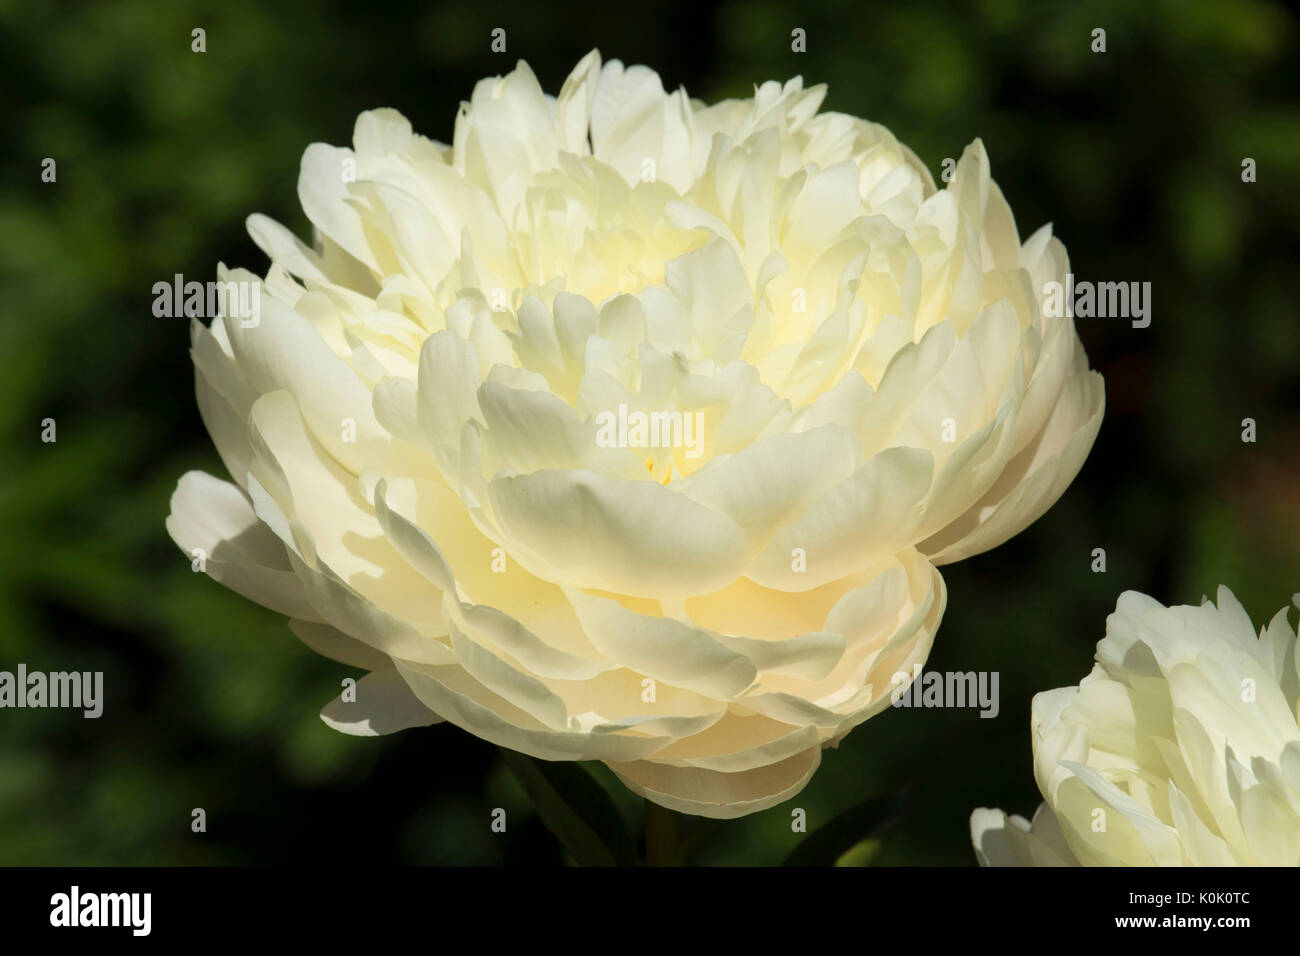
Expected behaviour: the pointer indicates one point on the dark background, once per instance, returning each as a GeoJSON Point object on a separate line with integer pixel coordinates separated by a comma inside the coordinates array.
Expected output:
{"type": "Point", "coordinates": [1135, 156]}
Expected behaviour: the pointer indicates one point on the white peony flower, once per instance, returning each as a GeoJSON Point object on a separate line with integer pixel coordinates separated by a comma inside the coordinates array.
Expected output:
{"type": "Point", "coordinates": [428, 480]}
{"type": "Point", "coordinates": [1181, 748]}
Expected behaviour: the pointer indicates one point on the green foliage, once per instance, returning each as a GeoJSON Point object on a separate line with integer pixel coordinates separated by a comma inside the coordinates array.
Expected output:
{"type": "Point", "coordinates": [575, 808]}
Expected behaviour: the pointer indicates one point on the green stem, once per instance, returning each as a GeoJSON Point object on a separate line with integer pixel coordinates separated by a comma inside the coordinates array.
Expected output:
{"type": "Point", "coordinates": [661, 844]}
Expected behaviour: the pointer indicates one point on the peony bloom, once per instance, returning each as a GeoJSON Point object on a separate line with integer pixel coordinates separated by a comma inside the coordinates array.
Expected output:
{"type": "Point", "coordinates": [1181, 748]}
{"type": "Point", "coordinates": [438, 436]}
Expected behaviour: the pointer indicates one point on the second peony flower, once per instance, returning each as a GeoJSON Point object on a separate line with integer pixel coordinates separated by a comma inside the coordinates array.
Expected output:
{"type": "Point", "coordinates": [629, 428]}
{"type": "Point", "coordinates": [1181, 748]}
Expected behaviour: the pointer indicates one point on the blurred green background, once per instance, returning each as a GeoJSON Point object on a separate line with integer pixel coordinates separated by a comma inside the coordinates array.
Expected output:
{"type": "Point", "coordinates": [1135, 156]}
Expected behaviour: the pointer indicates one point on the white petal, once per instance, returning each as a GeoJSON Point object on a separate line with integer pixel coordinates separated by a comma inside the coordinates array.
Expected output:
{"type": "Point", "coordinates": [383, 705]}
